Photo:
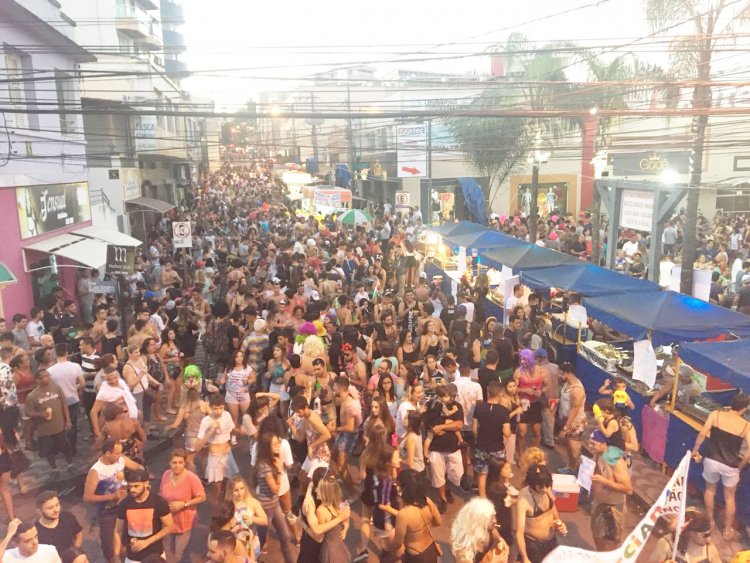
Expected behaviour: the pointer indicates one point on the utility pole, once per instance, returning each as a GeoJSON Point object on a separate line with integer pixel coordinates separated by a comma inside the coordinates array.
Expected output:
{"type": "Point", "coordinates": [428, 208]}
{"type": "Point", "coordinates": [314, 128]}
{"type": "Point", "coordinates": [533, 206]}
{"type": "Point", "coordinates": [349, 130]}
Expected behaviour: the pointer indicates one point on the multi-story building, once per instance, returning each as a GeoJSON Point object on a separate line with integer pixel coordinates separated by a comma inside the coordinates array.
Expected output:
{"type": "Point", "coordinates": [140, 152]}
{"type": "Point", "coordinates": [43, 178]}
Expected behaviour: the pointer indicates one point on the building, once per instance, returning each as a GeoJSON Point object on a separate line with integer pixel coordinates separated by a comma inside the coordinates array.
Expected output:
{"type": "Point", "coordinates": [43, 178]}
{"type": "Point", "coordinates": [141, 160]}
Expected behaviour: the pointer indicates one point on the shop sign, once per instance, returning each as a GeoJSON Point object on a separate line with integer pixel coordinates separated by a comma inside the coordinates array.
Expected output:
{"type": "Point", "coordinates": [651, 163]}
{"type": "Point", "coordinates": [131, 183]}
{"type": "Point", "coordinates": [144, 132]}
{"type": "Point", "coordinates": [412, 150]}
{"type": "Point", "coordinates": [120, 260]}
{"type": "Point", "coordinates": [43, 209]}
{"type": "Point", "coordinates": [403, 200]}
{"type": "Point", "coordinates": [182, 236]}
{"type": "Point", "coordinates": [637, 210]}
{"type": "Point", "coordinates": [103, 286]}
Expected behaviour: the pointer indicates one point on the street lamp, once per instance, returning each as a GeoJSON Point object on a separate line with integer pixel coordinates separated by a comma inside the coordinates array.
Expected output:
{"type": "Point", "coordinates": [539, 155]}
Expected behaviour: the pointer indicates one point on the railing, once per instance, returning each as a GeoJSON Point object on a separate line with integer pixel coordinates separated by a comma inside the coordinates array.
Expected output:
{"type": "Point", "coordinates": [98, 197]}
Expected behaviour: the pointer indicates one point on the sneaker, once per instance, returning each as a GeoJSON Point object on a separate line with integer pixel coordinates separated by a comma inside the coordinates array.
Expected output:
{"type": "Point", "coordinates": [442, 506]}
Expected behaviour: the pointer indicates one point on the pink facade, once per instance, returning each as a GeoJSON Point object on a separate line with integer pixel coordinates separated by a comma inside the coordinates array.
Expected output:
{"type": "Point", "coordinates": [18, 297]}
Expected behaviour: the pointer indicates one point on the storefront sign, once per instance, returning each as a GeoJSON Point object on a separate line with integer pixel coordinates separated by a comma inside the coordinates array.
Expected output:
{"type": "Point", "coordinates": [651, 163]}
{"type": "Point", "coordinates": [120, 260]}
{"type": "Point", "coordinates": [43, 209]}
{"type": "Point", "coordinates": [637, 210]}
{"type": "Point", "coordinates": [182, 236]}
{"type": "Point", "coordinates": [131, 183]}
{"type": "Point", "coordinates": [144, 132]}
{"type": "Point", "coordinates": [412, 150]}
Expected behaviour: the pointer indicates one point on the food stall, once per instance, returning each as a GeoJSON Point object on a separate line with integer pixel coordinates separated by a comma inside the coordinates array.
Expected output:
{"type": "Point", "coordinates": [664, 318]}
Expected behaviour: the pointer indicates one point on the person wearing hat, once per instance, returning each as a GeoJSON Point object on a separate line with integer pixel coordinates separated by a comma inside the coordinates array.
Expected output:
{"type": "Point", "coordinates": [143, 519]}
{"type": "Point", "coordinates": [610, 487]}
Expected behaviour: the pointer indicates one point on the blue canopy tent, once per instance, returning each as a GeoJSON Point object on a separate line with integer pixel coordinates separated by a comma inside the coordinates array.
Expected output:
{"type": "Point", "coordinates": [526, 255]}
{"type": "Point", "coordinates": [483, 240]}
{"type": "Point", "coordinates": [460, 228]}
{"type": "Point", "coordinates": [587, 279]}
{"type": "Point", "coordinates": [728, 361]}
{"type": "Point", "coordinates": [670, 316]}
{"type": "Point", "coordinates": [474, 200]}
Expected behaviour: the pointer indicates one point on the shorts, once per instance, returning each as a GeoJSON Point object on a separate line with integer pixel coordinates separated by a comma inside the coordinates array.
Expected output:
{"type": "Point", "coordinates": [237, 398]}
{"type": "Point", "coordinates": [4, 463]}
{"type": "Point", "coordinates": [279, 390]}
{"type": "Point", "coordinates": [310, 465]}
{"type": "Point", "coordinates": [220, 467]}
{"type": "Point", "coordinates": [442, 463]}
{"type": "Point", "coordinates": [482, 460]}
{"type": "Point", "coordinates": [468, 437]}
{"type": "Point", "coordinates": [163, 556]}
{"type": "Point", "coordinates": [174, 370]}
{"type": "Point", "coordinates": [537, 550]}
{"type": "Point", "coordinates": [54, 444]}
{"type": "Point", "coordinates": [345, 442]}
{"type": "Point", "coordinates": [714, 470]}
{"type": "Point", "coordinates": [532, 415]}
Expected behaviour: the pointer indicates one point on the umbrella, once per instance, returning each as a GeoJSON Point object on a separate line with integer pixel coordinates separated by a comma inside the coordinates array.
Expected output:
{"type": "Point", "coordinates": [355, 217]}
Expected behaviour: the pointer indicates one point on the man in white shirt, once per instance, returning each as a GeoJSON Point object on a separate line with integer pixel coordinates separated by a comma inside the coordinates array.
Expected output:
{"type": "Point", "coordinates": [28, 549]}
{"type": "Point", "coordinates": [515, 299]}
{"type": "Point", "coordinates": [157, 322]}
{"type": "Point", "coordinates": [468, 394]}
{"type": "Point", "coordinates": [69, 377]}
{"type": "Point", "coordinates": [577, 312]}
{"type": "Point", "coordinates": [463, 301]}
{"type": "Point", "coordinates": [35, 327]}
{"type": "Point", "coordinates": [630, 248]}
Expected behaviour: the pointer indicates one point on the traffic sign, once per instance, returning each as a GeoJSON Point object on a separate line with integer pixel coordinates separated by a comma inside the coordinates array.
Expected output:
{"type": "Point", "coordinates": [403, 200]}
{"type": "Point", "coordinates": [412, 150]}
{"type": "Point", "coordinates": [182, 235]}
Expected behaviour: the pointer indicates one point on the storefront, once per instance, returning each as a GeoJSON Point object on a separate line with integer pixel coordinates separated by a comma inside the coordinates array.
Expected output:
{"type": "Point", "coordinates": [49, 233]}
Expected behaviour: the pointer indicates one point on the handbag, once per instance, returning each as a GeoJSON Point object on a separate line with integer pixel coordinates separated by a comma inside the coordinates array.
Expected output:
{"type": "Point", "coordinates": [18, 463]}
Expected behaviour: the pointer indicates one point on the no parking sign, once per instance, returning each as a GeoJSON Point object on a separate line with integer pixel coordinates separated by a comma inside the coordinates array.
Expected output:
{"type": "Point", "coordinates": [182, 234]}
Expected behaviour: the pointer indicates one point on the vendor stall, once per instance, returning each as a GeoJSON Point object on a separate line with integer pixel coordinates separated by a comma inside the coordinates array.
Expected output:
{"type": "Point", "coordinates": [585, 279]}
{"type": "Point", "coordinates": [521, 257]}
{"type": "Point", "coordinates": [483, 241]}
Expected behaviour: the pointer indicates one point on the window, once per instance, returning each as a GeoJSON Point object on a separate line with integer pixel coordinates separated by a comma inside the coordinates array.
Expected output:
{"type": "Point", "coordinates": [16, 96]}
{"type": "Point", "coordinates": [127, 45]}
{"type": "Point", "coordinates": [161, 120]}
{"type": "Point", "coordinates": [66, 99]}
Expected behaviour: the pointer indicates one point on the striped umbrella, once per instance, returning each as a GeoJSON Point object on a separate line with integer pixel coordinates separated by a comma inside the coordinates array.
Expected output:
{"type": "Point", "coordinates": [355, 217]}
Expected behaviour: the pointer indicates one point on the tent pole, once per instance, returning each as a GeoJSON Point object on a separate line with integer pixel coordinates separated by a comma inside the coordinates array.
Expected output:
{"type": "Point", "coordinates": [674, 384]}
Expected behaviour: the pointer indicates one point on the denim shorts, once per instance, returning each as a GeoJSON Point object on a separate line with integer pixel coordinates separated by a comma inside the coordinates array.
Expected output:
{"type": "Point", "coordinates": [346, 441]}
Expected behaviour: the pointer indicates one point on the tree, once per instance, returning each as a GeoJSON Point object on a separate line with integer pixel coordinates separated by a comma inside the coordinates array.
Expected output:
{"type": "Point", "coordinates": [712, 23]}
{"type": "Point", "coordinates": [496, 147]}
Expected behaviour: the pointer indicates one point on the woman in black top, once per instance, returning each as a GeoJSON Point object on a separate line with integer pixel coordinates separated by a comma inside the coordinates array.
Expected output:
{"type": "Point", "coordinates": [407, 351]}
{"type": "Point", "coordinates": [312, 531]}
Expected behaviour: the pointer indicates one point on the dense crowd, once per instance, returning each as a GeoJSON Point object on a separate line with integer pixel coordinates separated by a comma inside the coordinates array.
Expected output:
{"type": "Point", "coordinates": [348, 375]}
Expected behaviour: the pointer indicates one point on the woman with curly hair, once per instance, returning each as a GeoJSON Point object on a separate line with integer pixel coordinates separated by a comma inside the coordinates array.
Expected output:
{"type": "Point", "coordinates": [474, 535]}
{"type": "Point", "coordinates": [530, 378]}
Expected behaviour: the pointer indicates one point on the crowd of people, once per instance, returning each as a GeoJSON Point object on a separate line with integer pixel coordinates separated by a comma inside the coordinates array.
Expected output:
{"type": "Point", "coordinates": [349, 377]}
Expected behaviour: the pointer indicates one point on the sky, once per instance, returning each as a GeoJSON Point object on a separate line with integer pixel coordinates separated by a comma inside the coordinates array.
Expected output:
{"type": "Point", "coordinates": [237, 48]}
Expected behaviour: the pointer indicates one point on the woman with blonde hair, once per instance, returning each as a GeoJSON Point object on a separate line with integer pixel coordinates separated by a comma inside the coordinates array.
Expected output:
{"type": "Point", "coordinates": [248, 513]}
{"type": "Point", "coordinates": [474, 535]}
{"type": "Point", "coordinates": [333, 549]}
{"type": "Point", "coordinates": [532, 456]}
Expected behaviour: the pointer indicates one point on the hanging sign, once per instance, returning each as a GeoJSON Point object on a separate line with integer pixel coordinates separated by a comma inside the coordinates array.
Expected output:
{"type": "Point", "coordinates": [120, 260]}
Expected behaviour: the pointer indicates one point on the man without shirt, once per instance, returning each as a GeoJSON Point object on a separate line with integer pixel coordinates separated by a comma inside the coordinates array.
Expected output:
{"type": "Point", "coordinates": [348, 433]}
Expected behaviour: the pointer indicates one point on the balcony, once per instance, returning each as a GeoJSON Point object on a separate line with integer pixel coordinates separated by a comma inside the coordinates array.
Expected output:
{"type": "Point", "coordinates": [133, 22]}
{"type": "Point", "coordinates": [174, 41]}
{"type": "Point", "coordinates": [175, 68]}
{"type": "Point", "coordinates": [171, 12]}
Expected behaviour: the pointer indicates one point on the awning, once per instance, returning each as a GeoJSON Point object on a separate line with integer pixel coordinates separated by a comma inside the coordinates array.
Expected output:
{"type": "Point", "coordinates": [729, 361]}
{"type": "Point", "coordinates": [156, 205]}
{"type": "Point", "coordinates": [89, 252]}
{"type": "Point", "coordinates": [6, 276]}
{"type": "Point", "coordinates": [108, 235]}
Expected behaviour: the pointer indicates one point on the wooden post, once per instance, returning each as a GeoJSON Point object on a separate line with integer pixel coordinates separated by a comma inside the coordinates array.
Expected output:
{"type": "Point", "coordinates": [674, 385]}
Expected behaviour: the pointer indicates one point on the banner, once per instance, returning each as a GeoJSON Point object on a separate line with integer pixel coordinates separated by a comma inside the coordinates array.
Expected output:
{"type": "Point", "coordinates": [43, 209]}
{"type": "Point", "coordinates": [671, 501]}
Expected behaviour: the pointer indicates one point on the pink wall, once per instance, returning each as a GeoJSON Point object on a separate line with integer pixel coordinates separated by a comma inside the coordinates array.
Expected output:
{"type": "Point", "coordinates": [18, 297]}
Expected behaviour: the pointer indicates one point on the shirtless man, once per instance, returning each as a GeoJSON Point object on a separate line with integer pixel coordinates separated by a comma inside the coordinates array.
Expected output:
{"type": "Point", "coordinates": [348, 433]}
{"type": "Point", "coordinates": [216, 430]}
{"type": "Point", "coordinates": [100, 324]}
{"type": "Point", "coordinates": [305, 424]}
{"type": "Point", "coordinates": [610, 486]}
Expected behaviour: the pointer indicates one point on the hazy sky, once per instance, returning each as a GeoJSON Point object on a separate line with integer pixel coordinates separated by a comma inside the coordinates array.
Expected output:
{"type": "Point", "coordinates": [237, 48]}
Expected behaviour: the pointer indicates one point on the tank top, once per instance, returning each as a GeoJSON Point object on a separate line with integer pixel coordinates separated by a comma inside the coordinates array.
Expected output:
{"type": "Point", "coordinates": [526, 379]}
{"type": "Point", "coordinates": [193, 423]}
{"type": "Point", "coordinates": [418, 452]}
{"type": "Point", "coordinates": [724, 446]}
{"type": "Point", "coordinates": [110, 479]}
{"type": "Point", "coordinates": [615, 439]}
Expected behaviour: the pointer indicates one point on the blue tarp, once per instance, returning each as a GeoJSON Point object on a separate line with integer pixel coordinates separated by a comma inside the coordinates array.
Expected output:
{"type": "Point", "coordinates": [728, 361]}
{"type": "Point", "coordinates": [483, 240]}
{"type": "Point", "coordinates": [474, 200]}
{"type": "Point", "coordinates": [526, 255]}
{"type": "Point", "coordinates": [672, 317]}
{"type": "Point", "coordinates": [343, 176]}
{"type": "Point", "coordinates": [460, 228]}
{"type": "Point", "coordinates": [586, 279]}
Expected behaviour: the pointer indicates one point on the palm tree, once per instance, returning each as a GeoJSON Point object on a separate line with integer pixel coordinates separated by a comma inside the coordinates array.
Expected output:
{"type": "Point", "coordinates": [712, 22]}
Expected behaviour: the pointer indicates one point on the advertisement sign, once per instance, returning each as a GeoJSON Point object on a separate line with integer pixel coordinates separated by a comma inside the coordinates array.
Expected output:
{"type": "Point", "coordinates": [403, 201]}
{"type": "Point", "coordinates": [131, 183]}
{"type": "Point", "coordinates": [144, 132]}
{"type": "Point", "coordinates": [182, 236]}
{"type": "Point", "coordinates": [327, 199]}
{"type": "Point", "coordinates": [43, 209]}
{"type": "Point", "coordinates": [637, 210]}
{"type": "Point", "coordinates": [120, 260]}
{"type": "Point", "coordinates": [412, 150]}
{"type": "Point", "coordinates": [650, 163]}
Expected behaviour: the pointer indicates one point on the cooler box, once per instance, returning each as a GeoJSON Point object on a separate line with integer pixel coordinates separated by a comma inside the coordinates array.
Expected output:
{"type": "Point", "coordinates": [566, 491]}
